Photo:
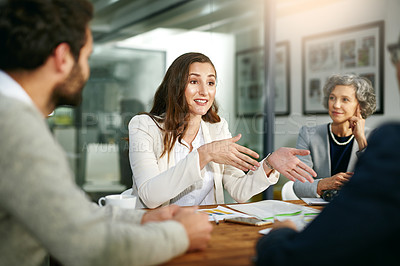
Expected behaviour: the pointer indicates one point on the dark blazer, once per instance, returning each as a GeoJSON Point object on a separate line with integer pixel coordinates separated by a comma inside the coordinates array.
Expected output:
{"type": "Point", "coordinates": [361, 226]}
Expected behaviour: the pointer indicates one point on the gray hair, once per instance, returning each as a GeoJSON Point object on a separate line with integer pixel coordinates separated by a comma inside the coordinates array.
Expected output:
{"type": "Point", "coordinates": [365, 93]}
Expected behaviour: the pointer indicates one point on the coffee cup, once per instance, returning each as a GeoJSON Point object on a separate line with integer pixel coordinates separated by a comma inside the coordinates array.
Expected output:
{"type": "Point", "coordinates": [122, 201]}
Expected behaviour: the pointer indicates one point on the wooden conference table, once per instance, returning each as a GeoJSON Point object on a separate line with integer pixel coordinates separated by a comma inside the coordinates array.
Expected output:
{"type": "Point", "coordinates": [230, 244]}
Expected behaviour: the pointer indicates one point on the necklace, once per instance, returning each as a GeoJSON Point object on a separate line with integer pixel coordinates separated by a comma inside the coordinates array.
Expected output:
{"type": "Point", "coordinates": [337, 142]}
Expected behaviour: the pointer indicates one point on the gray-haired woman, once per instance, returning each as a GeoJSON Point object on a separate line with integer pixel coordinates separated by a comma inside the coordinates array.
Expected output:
{"type": "Point", "coordinates": [350, 99]}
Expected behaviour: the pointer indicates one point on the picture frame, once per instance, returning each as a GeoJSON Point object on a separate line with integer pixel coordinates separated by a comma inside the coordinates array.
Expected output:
{"type": "Point", "coordinates": [357, 50]}
{"type": "Point", "coordinates": [250, 67]}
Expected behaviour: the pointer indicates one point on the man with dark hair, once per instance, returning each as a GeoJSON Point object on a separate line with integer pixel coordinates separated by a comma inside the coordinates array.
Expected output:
{"type": "Point", "coordinates": [361, 226]}
{"type": "Point", "coordinates": [44, 50]}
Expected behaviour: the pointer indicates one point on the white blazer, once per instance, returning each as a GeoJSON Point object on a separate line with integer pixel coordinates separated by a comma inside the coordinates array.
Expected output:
{"type": "Point", "coordinates": [157, 180]}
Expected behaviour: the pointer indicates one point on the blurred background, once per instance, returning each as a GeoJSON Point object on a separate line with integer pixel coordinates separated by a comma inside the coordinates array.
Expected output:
{"type": "Point", "coordinates": [272, 58]}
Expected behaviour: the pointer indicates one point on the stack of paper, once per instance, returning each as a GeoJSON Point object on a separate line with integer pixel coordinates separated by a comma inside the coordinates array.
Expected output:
{"type": "Point", "coordinates": [279, 210]}
{"type": "Point", "coordinates": [220, 213]}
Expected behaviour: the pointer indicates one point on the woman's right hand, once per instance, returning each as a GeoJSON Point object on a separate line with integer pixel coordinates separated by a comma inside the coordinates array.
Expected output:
{"type": "Point", "coordinates": [357, 125]}
{"type": "Point", "coordinates": [227, 151]}
{"type": "Point", "coordinates": [333, 182]}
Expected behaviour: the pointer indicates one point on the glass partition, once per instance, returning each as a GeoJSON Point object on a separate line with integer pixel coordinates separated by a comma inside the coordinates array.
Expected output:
{"type": "Point", "coordinates": [126, 71]}
{"type": "Point", "coordinates": [95, 135]}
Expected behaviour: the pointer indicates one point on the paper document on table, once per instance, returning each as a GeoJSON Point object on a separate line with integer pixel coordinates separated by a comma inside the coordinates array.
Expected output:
{"type": "Point", "coordinates": [274, 209]}
{"type": "Point", "coordinates": [265, 231]}
{"type": "Point", "coordinates": [220, 213]}
{"type": "Point", "coordinates": [315, 201]}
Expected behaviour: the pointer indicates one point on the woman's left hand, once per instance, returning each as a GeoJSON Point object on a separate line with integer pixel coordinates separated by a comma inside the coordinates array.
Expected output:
{"type": "Point", "coordinates": [227, 151]}
{"type": "Point", "coordinates": [357, 125]}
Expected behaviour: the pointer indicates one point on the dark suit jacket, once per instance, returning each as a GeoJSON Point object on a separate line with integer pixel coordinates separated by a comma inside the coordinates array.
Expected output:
{"type": "Point", "coordinates": [361, 226]}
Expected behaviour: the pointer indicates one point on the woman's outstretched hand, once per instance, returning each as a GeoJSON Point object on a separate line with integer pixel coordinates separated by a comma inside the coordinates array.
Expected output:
{"type": "Point", "coordinates": [285, 161]}
{"type": "Point", "coordinates": [227, 151]}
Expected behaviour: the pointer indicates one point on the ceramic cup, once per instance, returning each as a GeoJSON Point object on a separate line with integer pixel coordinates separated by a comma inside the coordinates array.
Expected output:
{"type": "Point", "coordinates": [122, 201]}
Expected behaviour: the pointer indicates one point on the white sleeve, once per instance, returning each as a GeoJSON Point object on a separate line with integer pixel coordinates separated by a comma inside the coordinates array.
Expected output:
{"type": "Point", "coordinates": [155, 186]}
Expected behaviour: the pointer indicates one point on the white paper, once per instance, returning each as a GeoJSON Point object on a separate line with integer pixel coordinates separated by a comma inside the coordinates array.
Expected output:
{"type": "Point", "coordinates": [265, 231]}
{"type": "Point", "coordinates": [220, 213]}
{"type": "Point", "coordinates": [273, 209]}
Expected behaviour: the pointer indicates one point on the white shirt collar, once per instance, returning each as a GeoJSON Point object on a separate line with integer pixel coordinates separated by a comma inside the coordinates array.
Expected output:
{"type": "Point", "coordinates": [10, 88]}
{"type": "Point", "coordinates": [197, 142]}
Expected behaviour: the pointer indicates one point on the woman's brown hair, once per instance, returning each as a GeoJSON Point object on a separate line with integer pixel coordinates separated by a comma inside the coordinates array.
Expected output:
{"type": "Point", "coordinates": [170, 106]}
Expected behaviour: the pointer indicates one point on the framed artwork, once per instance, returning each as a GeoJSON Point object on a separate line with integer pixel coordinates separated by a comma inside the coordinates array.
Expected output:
{"type": "Point", "coordinates": [357, 50]}
{"type": "Point", "coordinates": [250, 70]}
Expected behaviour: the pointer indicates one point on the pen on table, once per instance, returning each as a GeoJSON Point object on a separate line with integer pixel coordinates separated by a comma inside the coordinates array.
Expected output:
{"type": "Point", "coordinates": [215, 219]}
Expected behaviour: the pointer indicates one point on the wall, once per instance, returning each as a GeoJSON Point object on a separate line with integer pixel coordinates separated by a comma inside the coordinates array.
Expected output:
{"type": "Point", "coordinates": [218, 47]}
{"type": "Point", "coordinates": [337, 15]}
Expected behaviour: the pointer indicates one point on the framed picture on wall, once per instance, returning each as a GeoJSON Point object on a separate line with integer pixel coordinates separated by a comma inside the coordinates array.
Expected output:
{"type": "Point", "coordinates": [357, 50]}
{"type": "Point", "coordinates": [250, 70]}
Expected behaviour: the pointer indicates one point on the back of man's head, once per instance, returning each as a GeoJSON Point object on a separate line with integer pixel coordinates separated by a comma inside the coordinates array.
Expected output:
{"type": "Point", "coordinates": [31, 29]}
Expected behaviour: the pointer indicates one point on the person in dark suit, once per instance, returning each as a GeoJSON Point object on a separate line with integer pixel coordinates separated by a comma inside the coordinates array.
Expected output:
{"type": "Point", "coordinates": [361, 226]}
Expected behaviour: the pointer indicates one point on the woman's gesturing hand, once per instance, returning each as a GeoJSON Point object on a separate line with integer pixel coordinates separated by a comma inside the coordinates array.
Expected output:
{"type": "Point", "coordinates": [227, 151]}
{"type": "Point", "coordinates": [284, 160]}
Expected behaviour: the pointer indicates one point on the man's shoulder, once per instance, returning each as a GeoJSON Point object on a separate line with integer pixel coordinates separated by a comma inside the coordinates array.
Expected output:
{"type": "Point", "coordinates": [387, 130]}
{"type": "Point", "coordinates": [384, 140]}
{"type": "Point", "coordinates": [20, 120]}
{"type": "Point", "coordinates": [12, 109]}
{"type": "Point", "coordinates": [7, 102]}
{"type": "Point", "coordinates": [390, 125]}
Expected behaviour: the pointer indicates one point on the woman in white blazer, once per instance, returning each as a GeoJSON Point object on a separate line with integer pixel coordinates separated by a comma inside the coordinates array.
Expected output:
{"type": "Point", "coordinates": [350, 99]}
{"type": "Point", "coordinates": [182, 152]}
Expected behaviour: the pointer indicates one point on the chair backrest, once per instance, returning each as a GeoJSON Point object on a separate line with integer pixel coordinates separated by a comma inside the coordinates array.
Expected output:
{"type": "Point", "coordinates": [287, 191]}
{"type": "Point", "coordinates": [102, 164]}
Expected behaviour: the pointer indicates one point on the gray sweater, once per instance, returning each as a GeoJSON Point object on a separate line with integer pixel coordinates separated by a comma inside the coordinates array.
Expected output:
{"type": "Point", "coordinates": [42, 211]}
